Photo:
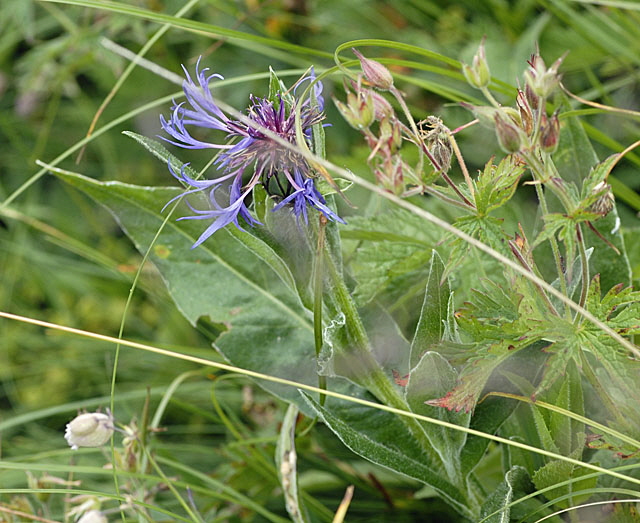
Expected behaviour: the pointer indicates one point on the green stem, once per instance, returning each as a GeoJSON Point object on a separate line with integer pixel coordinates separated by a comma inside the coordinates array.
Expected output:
{"type": "Point", "coordinates": [318, 281]}
{"type": "Point", "coordinates": [366, 371]}
{"type": "Point", "coordinates": [584, 263]}
{"type": "Point", "coordinates": [414, 128]}
{"type": "Point", "coordinates": [487, 94]}
{"type": "Point", "coordinates": [538, 171]}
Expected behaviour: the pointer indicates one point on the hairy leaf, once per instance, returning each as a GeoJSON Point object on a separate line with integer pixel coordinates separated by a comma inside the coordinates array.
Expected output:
{"type": "Point", "coordinates": [223, 280]}
{"type": "Point", "coordinates": [434, 313]}
{"type": "Point", "coordinates": [382, 438]}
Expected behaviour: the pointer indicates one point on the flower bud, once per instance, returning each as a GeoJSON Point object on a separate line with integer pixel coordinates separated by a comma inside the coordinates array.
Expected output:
{"type": "Point", "coordinates": [93, 516]}
{"type": "Point", "coordinates": [542, 81]}
{"type": "Point", "coordinates": [509, 136]}
{"type": "Point", "coordinates": [390, 134]}
{"type": "Point", "coordinates": [532, 98]}
{"type": "Point", "coordinates": [390, 174]}
{"type": "Point", "coordinates": [91, 429]}
{"type": "Point", "coordinates": [359, 112]}
{"type": "Point", "coordinates": [381, 106]}
{"type": "Point", "coordinates": [375, 73]}
{"type": "Point", "coordinates": [549, 133]}
{"type": "Point", "coordinates": [478, 74]}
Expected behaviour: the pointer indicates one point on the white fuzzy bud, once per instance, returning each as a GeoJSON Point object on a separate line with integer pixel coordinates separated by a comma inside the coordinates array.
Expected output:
{"type": "Point", "coordinates": [93, 516]}
{"type": "Point", "coordinates": [91, 429]}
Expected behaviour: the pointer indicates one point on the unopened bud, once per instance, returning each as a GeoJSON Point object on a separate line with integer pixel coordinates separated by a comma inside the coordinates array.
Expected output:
{"type": "Point", "coordinates": [509, 135]}
{"type": "Point", "coordinates": [478, 74]}
{"type": "Point", "coordinates": [359, 111]}
{"type": "Point", "coordinates": [391, 134]}
{"type": "Point", "coordinates": [381, 106]}
{"type": "Point", "coordinates": [532, 98]}
{"type": "Point", "coordinates": [549, 133]}
{"type": "Point", "coordinates": [513, 115]}
{"type": "Point", "coordinates": [541, 80]}
{"type": "Point", "coordinates": [92, 429]}
{"type": "Point", "coordinates": [389, 174]}
{"type": "Point", "coordinates": [375, 73]}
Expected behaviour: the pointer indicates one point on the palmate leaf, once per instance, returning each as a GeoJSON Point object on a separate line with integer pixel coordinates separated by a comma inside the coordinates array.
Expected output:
{"type": "Point", "coordinates": [502, 321]}
{"type": "Point", "coordinates": [486, 229]}
{"type": "Point", "coordinates": [393, 259]}
{"type": "Point", "coordinates": [496, 185]}
{"type": "Point", "coordinates": [586, 344]}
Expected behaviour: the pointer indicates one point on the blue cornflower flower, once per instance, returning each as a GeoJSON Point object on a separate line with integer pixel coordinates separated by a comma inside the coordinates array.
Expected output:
{"type": "Point", "coordinates": [283, 172]}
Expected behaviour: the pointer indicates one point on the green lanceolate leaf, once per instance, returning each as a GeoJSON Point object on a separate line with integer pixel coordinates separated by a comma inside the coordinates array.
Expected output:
{"type": "Point", "coordinates": [432, 378]}
{"type": "Point", "coordinates": [278, 92]}
{"type": "Point", "coordinates": [434, 314]}
{"type": "Point", "coordinates": [222, 280]}
{"type": "Point", "coordinates": [382, 438]}
{"type": "Point", "coordinates": [567, 433]}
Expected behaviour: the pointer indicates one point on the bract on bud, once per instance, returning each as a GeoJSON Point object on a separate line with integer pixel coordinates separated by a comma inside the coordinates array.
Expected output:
{"type": "Point", "coordinates": [381, 106]}
{"type": "Point", "coordinates": [526, 114]}
{"type": "Point", "coordinates": [390, 135]}
{"type": "Point", "coordinates": [542, 81]}
{"type": "Point", "coordinates": [549, 133]}
{"type": "Point", "coordinates": [375, 73]}
{"type": "Point", "coordinates": [532, 98]}
{"type": "Point", "coordinates": [390, 174]}
{"type": "Point", "coordinates": [509, 135]}
{"type": "Point", "coordinates": [478, 74]}
{"type": "Point", "coordinates": [91, 429]}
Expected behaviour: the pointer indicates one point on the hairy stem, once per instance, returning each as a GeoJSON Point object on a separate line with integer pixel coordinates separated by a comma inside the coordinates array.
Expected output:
{"type": "Point", "coordinates": [584, 264]}
{"type": "Point", "coordinates": [318, 284]}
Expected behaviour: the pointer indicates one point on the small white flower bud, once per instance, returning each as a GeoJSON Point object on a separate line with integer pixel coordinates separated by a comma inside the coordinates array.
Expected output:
{"type": "Point", "coordinates": [93, 516]}
{"type": "Point", "coordinates": [91, 429]}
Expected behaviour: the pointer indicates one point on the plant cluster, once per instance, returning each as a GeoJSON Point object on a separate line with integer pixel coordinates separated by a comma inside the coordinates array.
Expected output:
{"type": "Point", "coordinates": [470, 329]}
